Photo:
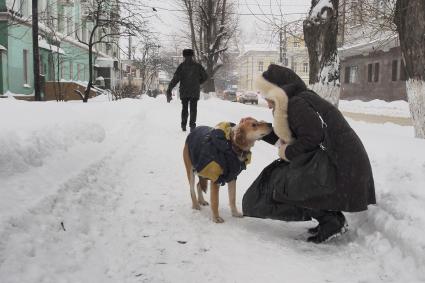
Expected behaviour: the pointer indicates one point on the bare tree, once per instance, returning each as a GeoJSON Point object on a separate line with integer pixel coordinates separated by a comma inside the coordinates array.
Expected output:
{"type": "Point", "coordinates": [147, 61]}
{"type": "Point", "coordinates": [410, 21]}
{"type": "Point", "coordinates": [277, 24]}
{"type": "Point", "coordinates": [320, 34]}
{"type": "Point", "coordinates": [212, 24]}
{"type": "Point", "coordinates": [110, 19]}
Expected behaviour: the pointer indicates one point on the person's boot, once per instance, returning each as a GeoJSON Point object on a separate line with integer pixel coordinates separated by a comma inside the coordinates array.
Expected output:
{"type": "Point", "coordinates": [331, 224]}
{"type": "Point", "coordinates": [314, 230]}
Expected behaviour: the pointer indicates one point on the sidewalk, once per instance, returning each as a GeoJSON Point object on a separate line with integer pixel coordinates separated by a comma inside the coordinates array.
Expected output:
{"type": "Point", "coordinates": [378, 119]}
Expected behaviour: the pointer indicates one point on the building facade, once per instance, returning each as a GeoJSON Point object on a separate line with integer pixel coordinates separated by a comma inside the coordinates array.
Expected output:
{"type": "Point", "coordinates": [257, 57]}
{"type": "Point", "coordinates": [371, 63]}
{"type": "Point", "coordinates": [253, 62]}
{"type": "Point", "coordinates": [297, 56]}
{"type": "Point", "coordinates": [63, 24]}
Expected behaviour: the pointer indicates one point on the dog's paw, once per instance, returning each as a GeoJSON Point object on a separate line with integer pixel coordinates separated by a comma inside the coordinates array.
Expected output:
{"type": "Point", "coordinates": [196, 206]}
{"type": "Point", "coordinates": [203, 203]}
{"type": "Point", "coordinates": [237, 214]}
{"type": "Point", "coordinates": [218, 219]}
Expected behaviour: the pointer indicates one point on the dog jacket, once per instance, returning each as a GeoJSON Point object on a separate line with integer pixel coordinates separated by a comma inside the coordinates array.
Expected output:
{"type": "Point", "coordinates": [211, 153]}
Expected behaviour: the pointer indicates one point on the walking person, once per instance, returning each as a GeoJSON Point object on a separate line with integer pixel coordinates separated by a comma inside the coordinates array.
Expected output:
{"type": "Point", "coordinates": [191, 75]}
{"type": "Point", "coordinates": [302, 122]}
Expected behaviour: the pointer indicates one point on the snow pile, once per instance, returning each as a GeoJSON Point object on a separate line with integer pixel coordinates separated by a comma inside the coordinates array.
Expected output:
{"type": "Point", "coordinates": [20, 153]}
{"type": "Point", "coordinates": [399, 108]}
{"type": "Point", "coordinates": [113, 204]}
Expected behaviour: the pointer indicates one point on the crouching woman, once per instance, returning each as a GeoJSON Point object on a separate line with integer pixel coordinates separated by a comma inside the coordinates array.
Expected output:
{"type": "Point", "coordinates": [299, 117]}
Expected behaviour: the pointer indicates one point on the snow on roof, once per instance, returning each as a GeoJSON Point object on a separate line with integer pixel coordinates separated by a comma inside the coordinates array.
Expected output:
{"type": "Point", "coordinates": [55, 49]}
{"type": "Point", "coordinates": [259, 47]}
{"type": "Point", "coordinates": [364, 41]}
{"type": "Point", "coordinates": [2, 47]}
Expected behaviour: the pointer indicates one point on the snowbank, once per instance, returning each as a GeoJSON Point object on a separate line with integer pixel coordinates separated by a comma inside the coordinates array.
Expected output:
{"type": "Point", "coordinates": [399, 108]}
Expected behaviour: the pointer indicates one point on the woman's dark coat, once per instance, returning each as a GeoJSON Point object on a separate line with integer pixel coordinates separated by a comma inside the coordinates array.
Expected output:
{"type": "Point", "coordinates": [297, 123]}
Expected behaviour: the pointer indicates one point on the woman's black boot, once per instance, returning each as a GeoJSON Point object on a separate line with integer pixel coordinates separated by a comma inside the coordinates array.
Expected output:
{"type": "Point", "coordinates": [331, 224]}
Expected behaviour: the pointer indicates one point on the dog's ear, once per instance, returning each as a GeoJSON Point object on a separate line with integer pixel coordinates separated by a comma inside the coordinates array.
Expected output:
{"type": "Point", "coordinates": [240, 136]}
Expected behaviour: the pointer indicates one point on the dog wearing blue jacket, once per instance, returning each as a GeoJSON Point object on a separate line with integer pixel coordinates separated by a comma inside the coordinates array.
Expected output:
{"type": "Point", "coordinates": [219, 155]}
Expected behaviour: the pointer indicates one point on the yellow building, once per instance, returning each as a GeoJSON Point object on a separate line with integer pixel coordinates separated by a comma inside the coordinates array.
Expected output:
{"type": "Point", "coordinates": [256, 59]}
{"type": "Point", "coordinates": [253, 62]}
{"type": "Point", "coordinates": [297, 56]}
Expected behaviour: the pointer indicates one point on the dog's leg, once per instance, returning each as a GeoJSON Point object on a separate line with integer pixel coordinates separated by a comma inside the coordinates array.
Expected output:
{"type": "Point", "coordinates": [190, 177]}
{"type": "Point", "coordinates": [214, 203]}
{"type": "Point", "coordinates": [232, 199]}
{"type": "Point", "coordinates": [202, 187]}
{"type": "Point", "coordinates": [195, 204]}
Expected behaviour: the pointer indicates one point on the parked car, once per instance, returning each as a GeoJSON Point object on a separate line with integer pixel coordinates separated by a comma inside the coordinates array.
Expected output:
{"type": "Point", "coordinates": [249, 97]}
{"type": "Point", "coordinates": [230, 95]}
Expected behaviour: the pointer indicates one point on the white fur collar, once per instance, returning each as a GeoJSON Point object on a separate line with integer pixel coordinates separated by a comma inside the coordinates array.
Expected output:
{"type": "Point", "coordinates": [280, 113]}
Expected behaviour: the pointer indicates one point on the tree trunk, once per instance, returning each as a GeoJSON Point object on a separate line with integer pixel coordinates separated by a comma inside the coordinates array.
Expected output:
{"type": "Point", "coordinates": [320, 35]}
{"type": "Point", "coordinates": [410, 21]}
{"type": "Point", "coordinates": [35, 51]}
{"type": "Point", "coordinates": [90, 83]}
{"type": "Point", "coordinates": [209, 85]}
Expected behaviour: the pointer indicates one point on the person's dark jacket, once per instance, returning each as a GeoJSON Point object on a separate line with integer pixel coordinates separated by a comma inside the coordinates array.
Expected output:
{"type": "Point", "coordinates": [191, 75]}
{"type": "Point", "coordinates": [211, 153]}
{"type": "Point", "coordinates": [355, 188]}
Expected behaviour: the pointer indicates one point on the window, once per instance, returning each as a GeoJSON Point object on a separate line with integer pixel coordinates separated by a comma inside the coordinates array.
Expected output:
{"type": "Point", "coordinates": [84, 31]}
{"type": "Point", "coordinates": [394, 70]}
{"type": "Point", "coordinates": [351, 74]}
{"type": "Point", "coordinates": [43, 67]}
{"type": "Point", "coordinates": [80, 70]}
{"type": "Point", "coordinates": [25, 65]}
{"type": "Point", "coordinates": [347, 75]}
{"type": "Point", "coordinates": [71, 70]}
{"type": "Point", "coordinates": [62, 64]}
{"type": "Point", "coordinates": [376, 74]}
{"type": "Point", "coordinates": [305, 67]}
{"type": "Point", "coordinates": [294, 66]}
{"type": "Point", "coordinates": [403, 74]}
{"type": "Point", "coordinates": [296, 44]}
{"type": "Point", "coordinates": [369, 72]}
{"type": "Point", "coordinates": [260, 66]}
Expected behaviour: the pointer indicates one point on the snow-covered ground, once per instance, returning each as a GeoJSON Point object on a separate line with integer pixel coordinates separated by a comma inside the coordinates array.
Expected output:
{"type": "Point", "coordinates": [97, 192]}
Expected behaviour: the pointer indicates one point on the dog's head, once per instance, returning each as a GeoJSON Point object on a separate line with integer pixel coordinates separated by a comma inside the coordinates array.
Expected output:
{"type": "Point", "coordinates": [248, 131]}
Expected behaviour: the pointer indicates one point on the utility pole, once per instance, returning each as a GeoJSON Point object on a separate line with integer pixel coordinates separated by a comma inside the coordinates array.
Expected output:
{"type": "Point", "coordinates": [35, 51]}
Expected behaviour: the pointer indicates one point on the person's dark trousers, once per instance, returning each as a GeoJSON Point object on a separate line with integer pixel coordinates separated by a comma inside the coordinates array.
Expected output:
{"type": "Point", "coordinates": [192, 104]}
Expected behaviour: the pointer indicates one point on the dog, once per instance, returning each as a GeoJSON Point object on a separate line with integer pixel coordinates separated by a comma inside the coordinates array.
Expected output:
{"type": "Point", "coordinates": [219, 155]}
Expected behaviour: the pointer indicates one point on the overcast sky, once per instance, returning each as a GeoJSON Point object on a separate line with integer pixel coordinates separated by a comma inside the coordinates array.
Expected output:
{"type": "Point", "coordinates": [169, 20]}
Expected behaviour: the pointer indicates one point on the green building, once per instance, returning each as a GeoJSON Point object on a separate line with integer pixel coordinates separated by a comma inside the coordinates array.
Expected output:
{"type": "Point", "coordinates": [63, 27]}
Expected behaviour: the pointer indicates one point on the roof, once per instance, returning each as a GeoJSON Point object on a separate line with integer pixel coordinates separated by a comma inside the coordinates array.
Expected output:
{"type": "Point", "coordinates": [364, 41]}
{"type": "Point", "coordinates": [259, 47]}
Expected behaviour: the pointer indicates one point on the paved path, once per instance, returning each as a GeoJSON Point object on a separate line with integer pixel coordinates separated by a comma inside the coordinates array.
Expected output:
{"type": "Point", "coordinates": [378, 119]}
